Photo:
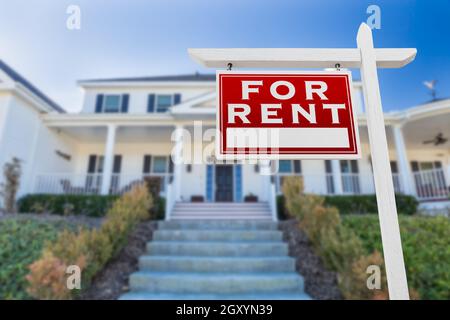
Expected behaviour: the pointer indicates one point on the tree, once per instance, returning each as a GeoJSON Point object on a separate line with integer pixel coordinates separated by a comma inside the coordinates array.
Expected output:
{"type": "Point", "coordinates": [8, 189]}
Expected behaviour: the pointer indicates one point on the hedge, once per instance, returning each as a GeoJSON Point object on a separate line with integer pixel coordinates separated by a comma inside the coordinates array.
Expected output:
{"type": "Point", "coordinates": [358, 204]}
{"type": "Point", "coordinates": [88, 205]}
{"type": "Point", "coordinates": [425, 242]}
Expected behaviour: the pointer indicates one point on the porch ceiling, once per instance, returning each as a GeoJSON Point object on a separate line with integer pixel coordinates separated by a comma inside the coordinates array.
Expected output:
{"type": "Point", "coordinates": [417, 131]}
{"type": "Point", "coordinates": [123, 134]}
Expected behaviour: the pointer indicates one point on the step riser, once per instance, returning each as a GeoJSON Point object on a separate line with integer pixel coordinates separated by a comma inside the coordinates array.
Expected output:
{"type": "Point", "coordinates": [149, 263]}
{"type": "Point", "coordinates": [217, 249]}
{"type": "Point", "coordinates": [217, 235]}
{"type": "Point", "coordinates": [217, 224]}
{"type": "Point", "coordinates": [183, 217]}
{"type": "Point", "coordinates": [196, 297]}
{"type": "Point", "coordinates": [229, 285]}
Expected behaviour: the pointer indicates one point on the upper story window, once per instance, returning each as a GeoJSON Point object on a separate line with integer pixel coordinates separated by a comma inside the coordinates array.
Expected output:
{"type": "Point", "coordinates": [162, 102]}
{"type": "Point", "coordinates": [112, 103]}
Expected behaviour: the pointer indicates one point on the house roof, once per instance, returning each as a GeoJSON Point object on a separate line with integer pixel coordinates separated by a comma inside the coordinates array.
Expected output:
{"type": "Point", "coordinates": [27, 84]}
{"type": "Point", "coordinates": [168, 78]}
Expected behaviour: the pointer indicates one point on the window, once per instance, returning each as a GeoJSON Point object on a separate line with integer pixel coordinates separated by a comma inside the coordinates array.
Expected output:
{"type": "Point", "coordinates": [289, 166]}
{"type": "Point", "coordinates": [111, 103]}
{"type": "Point", "coordinates": [159, 164]}
{"type": "Point", "coordinates": [349, 166]}
{"type": "Point", "coordinates": [163, 102]}
{"type": "Point", "coordinates": [285, 166]}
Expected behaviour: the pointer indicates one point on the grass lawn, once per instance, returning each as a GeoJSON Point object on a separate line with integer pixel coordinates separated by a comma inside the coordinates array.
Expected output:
{"type": "Point", "coordinates": [426, 248]}
{"type": "Point", "coordinates": [21, 242]}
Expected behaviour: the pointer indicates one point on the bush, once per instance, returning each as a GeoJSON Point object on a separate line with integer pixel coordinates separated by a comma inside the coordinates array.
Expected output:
{"type": "Point", "coordinates": [339, 248]}
{"type": "Point", "coordinates": [89, 249]}
{"type": "Point", "coordinates": [357, 204]}
{"type": "Point", "coordinates": [425, 242]}
{"type": "Point", "coordinates": [363, 204]}
{"type": "Point", "coordinates": [21, 243]}
{"type": "Point", "coordinates": [88, 205]}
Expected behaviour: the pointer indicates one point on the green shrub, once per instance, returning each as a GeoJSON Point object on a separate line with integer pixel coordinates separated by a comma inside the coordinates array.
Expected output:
{"type": "Point", "coordinates": [21, 242]}
{"type": "Point", "coordinates": [426, 248]}
{"type": "Point", "coordinates": [88, 205]}
{"type": "Point", "coordinates": [357, 204]}
{"type": "Point", "coordinates": [363, 204]}
{"type": "Point", "coordinates": [89, 249]}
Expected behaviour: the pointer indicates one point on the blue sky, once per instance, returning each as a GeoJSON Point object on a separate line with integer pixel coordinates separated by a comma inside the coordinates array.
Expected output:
{"type": "Point", "coordinates": [139, 38]}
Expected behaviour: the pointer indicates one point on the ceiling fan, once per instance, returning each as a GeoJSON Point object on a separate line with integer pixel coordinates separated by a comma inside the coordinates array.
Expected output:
{"type": "Point", "coordinates": [437, 140]}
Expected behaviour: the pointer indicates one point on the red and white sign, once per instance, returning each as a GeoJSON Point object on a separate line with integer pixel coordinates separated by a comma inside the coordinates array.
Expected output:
{"type": "Point", "coordinates": [282, 114]}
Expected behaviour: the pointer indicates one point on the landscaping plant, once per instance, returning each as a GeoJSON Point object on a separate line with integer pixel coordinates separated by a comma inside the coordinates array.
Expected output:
{"type": "Point", "coordinates": [88, 249]}
{"type": "Point", "coordinates": [8, 189]}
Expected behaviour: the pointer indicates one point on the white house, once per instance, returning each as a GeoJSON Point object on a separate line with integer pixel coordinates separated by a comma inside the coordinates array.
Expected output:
{"type": "Point", "coordinates": [126, 132]}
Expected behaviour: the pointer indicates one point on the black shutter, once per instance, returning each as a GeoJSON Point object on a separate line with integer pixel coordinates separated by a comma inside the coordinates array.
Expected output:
{"type": "Point", "coordinates": [170, 165]}
{"type": "Point", "coordinates": [414, 166]}
{"type": "Point", "coordinates": [297, 166]}
{"type": "Point", "coordinates": [125, 100]}
{"type": "Point", "coordinates": [354, 166]}
{"type": "Point", "coordinates": [117, 164]}
{"type": "Point", "coordinates": [328, 166]}
{"type": "Point", "coordinates": [176, 98]}
{"type": "Point", "coordinates": [394, 168]}
{"type": "Point", "coordinates": [91, 163]}
{"type": "Point", "coordinates": [147, 163]}
{"type": "Point", "coordinates": [437, 165]}
{"type": "Point", "coordinates": [256, 168]}
{"type": "Point", "coordinates": [151, 103]}
{"type": "Point", "coordinates": [99, 103]}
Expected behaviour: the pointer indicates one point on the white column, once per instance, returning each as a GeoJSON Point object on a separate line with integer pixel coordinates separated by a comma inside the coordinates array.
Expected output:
{"type": "Point", "coordinates": [108, 159]}
{"type": "Point", "coordinates": [177, 158]}
{"type": "Point", "coordinates": [337, 178]}
{"type": "Point", "coordinates": [406, 178]}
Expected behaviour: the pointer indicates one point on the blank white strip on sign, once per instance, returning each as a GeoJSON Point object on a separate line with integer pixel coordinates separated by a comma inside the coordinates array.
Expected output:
{"type": "Point", "coordinates": [287, 138]}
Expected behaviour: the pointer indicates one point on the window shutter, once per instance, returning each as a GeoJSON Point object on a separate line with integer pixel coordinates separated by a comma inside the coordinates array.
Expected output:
{"type": "Point", "coordinates": [297, 166]}
{"type": "Point", "coordinates": [125, 100]}
{"type": "Point", "coordinates": [151, 103]}
{"type": "Point", "coordinates": [354, 166]}
{"type": "Point", "coordinates": [414, 166]}
{"type": "Point", "coordinates": [91, 163]}
{"type": "Point", "coordinates": [257, 168]}
{"type": "Point", "coordinates": [394, 168]}
{"type": "Point", "coordinates": [176, 98]}
{"type": "Point", "coordinates": [328, 166]}
{"type": "Point", "coordinates": [117, 163]}
{"type": "Point", "coordinates": [437, 165]}
{"type": "Point", "coordinates": [170, 165]}
{"type": "Point", "coordinates": [147, 163]}
{"type": "Point", "coordinates": [99, 103]}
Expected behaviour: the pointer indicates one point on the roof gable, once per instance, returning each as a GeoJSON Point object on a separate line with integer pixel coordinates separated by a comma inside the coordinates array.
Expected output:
{"type": "Point", "coordinates": [28, 85]}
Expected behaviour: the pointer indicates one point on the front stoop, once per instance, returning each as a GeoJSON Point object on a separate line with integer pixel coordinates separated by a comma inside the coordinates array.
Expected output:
{"type": "Point", "coordinates": [216, 260]}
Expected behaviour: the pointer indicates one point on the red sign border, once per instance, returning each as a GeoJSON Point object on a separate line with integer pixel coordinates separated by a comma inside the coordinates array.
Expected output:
{"type": "Point", "coordinates": [235, 155]}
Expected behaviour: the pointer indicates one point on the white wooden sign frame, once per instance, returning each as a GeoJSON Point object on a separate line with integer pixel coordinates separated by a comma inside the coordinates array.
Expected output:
{"type": "Point", "coordinates": [368, 59]}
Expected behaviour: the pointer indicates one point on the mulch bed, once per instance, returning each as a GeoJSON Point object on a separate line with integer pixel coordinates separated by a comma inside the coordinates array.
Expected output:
{"type": "Point", "coordinates": [320, 283]}
{"type": "Point", "coordinates": [112, 281]}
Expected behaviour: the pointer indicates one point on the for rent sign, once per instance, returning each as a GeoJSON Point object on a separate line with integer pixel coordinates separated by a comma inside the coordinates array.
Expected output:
{"type": "Point", "coordinates": [286, 115]}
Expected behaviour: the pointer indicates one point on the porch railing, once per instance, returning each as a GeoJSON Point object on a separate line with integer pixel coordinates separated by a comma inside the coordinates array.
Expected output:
{"type": "Point", "coordinates": [431, 184]}
{"type": "Point", "coordinates": [86, 184]}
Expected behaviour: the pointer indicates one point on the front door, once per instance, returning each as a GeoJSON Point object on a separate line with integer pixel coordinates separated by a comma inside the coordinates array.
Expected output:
{"type": "Point", "coordinates": [224, 183]}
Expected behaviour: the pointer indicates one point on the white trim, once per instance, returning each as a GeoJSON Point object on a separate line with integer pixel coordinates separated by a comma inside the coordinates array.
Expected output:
{"type": "Point", "coordinates": [298, 57]}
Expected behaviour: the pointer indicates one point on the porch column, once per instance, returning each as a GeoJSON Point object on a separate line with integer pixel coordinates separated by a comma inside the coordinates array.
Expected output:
{"type": "Point", "coordinates": [406, 178]}
{"type": "Point", "coordinates": [177, 157]}
{"type": "Point", "coordinates": [108, 159]}
{"type": "Point", "coordinates": [337, 178]}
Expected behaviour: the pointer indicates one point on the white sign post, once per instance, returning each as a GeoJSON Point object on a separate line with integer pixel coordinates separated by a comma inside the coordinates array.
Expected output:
{"type": "Point", "coordinates": [368, 59]}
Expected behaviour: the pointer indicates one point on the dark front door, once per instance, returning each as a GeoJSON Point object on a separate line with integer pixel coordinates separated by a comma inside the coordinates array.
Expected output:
{"type": "Point", "coordinates": [224, 183]}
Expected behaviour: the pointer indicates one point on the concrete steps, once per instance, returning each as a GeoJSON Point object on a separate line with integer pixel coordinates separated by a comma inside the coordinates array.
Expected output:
{"type": "Point", "coordinates": [216, 260]}
{"type": "Point", "coordinates": [220, 211]}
